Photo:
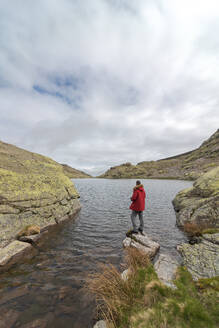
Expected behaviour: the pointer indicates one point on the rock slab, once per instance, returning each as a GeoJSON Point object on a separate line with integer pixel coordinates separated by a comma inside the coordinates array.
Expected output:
{"type": "Point", "coordinates": [143, 243]}
{"type": "Point", "coordinates": [165, 267]}
{"type": "Point", "coordinates": [202, 259]}
{"type": "Point", "coordinates": [12, 253]}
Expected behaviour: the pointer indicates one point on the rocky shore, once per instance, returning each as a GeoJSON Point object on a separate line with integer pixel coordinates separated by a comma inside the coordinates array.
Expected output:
{"type": "Point", "coordinates": [33, 191]}
{"type": "Point", "coordinates": [197, 212]}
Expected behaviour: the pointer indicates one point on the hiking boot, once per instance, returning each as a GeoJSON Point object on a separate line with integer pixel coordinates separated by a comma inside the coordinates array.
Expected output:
{"type": "Point", "coordinates": [141, 231]}
{"type": "Point", "coordinates": [134, 232]}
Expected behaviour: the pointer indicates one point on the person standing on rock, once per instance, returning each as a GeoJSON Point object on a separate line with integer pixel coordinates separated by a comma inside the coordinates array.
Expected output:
{"type": "Point", "coordinates": [137, 206]}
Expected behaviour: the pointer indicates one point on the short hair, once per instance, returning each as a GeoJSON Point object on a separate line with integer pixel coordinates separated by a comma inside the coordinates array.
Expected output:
{"type": "Point", "coordinates": [138, 182]}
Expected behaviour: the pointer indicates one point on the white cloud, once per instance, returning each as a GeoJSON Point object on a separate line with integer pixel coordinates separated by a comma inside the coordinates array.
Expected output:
{"type": "Point", "coordinates": [97, 83]}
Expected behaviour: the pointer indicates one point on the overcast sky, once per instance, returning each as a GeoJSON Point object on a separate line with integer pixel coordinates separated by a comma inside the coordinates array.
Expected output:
{"type": "Point", "coordinates": [96, 83]}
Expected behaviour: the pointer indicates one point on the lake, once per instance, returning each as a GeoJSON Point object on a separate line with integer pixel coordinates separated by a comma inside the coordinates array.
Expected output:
{"type": "Point", "coordinates": [50, 290]}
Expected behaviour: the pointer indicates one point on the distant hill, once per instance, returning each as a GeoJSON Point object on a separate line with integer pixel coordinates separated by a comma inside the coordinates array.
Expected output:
{"type": "Point", "coordinates": [187, 166]}
{"type": "Point", "coordinates": [73, 173]}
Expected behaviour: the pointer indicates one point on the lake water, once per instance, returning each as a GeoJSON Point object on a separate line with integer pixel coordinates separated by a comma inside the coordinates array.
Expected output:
{"type": "Point", "coordinates": [50, 290]}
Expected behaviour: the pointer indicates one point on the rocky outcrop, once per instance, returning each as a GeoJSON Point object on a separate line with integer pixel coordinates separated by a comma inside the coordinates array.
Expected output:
{"type": "Point", "coordinates": [143, 243]}
{"type": "Point", "coordinates": [200, 203]}
{"type": "Point", "coordinates": [166, 267]}
{"type": "Point", "coordinates": [33, 190]}
{"type": "Point", "coordinates": [202, 259]}
{"type": "Point", "coordinates": [187, 166]}
{"type": "Point", "coordinates": [73, 173]}
{"type": "Point", "coordinates": [197, 210]}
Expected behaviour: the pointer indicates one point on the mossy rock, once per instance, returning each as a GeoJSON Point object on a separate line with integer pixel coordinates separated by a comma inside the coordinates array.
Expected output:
{"type": "Point", "coordinates": [200, 203]}
{"type": "Point", "coordinates": [33, 190]}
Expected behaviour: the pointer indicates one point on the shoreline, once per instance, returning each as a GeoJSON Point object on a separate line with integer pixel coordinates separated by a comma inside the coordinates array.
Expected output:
{"type": "Point", "coordinates": [17, 251]}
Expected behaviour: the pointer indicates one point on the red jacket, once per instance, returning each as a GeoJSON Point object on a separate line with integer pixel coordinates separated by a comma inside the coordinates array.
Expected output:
{"type": "Point", "coordinates": [138, 198]}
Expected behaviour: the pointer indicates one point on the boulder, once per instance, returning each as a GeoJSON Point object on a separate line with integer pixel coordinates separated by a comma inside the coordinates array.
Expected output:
{"type": "Point", "coordinates": [165, 267]}
{"type": "Point", "coordinates": [200, 203]}
{"type": "Point", "coordinates": [202, 259]}
{"type": "Point", "coordinates": [143, 243]}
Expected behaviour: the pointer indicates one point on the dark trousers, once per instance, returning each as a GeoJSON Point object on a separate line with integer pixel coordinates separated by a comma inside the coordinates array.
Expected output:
{"type": "Point", "coordinates": [133, 218]}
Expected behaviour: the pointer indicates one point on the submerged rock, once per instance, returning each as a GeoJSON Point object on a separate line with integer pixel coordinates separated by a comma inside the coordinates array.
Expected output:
{"type": "Point", "coordinates": [143, 243]}
{"type": "Point", "coordinates": [200, 203]}
{"type": "Point", "coordinates": [8, 317]}
{"type": "Point", "coordinates": [165, 267]}
{"type": "Point", "coordinates": [202, 259]}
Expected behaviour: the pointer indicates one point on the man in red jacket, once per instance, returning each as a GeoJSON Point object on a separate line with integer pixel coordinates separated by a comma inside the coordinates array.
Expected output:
{"type": "Point", "coordinates": [137, 206]}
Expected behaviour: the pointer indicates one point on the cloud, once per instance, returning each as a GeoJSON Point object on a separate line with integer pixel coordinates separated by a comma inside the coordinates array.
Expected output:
{"type": "Point", "coordinates": [98, 83]}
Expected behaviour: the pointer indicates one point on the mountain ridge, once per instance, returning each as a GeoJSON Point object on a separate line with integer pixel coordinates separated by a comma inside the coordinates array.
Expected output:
{"type": "Point", "coordinates": [187, 166]}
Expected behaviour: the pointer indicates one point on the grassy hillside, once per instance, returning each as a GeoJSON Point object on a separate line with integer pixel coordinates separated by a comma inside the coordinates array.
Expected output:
{"type": "Point", "coordinates": [73, 173]}
{"type": "Point", "coordinates": [187, 166]}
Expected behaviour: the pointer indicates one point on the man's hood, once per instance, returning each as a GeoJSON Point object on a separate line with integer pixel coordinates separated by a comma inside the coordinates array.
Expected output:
{"type": "Point", "coordinates": [139, 187]}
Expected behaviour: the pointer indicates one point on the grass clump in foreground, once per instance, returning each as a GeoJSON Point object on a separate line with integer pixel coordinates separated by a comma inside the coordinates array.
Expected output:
{"type": "Point", "coordinates": [142, 301]}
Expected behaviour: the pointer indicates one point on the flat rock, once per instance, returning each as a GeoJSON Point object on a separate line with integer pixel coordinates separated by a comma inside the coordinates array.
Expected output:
{"type": "Point", "coordinates": [202, 259]}
{"type": "Point", "coordinates": [143, 243]}
{"type": "Point", "coordinates": [165, 267]}
{"type": "Point", "coordinates": [14, 252]}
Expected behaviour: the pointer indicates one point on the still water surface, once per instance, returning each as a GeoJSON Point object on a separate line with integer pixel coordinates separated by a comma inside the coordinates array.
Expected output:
{"type": "Point", "coordinates": [49, 291]}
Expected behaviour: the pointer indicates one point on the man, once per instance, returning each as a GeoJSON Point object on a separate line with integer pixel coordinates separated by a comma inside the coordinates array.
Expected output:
{"type": "Point", "coordinates": [137, 206]}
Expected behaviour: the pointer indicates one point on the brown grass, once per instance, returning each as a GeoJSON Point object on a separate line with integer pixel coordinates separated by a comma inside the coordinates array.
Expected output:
{"type": "Point", "coordinates": [113, 294]}
{"type": "Point", "coordinates": [193, 229]}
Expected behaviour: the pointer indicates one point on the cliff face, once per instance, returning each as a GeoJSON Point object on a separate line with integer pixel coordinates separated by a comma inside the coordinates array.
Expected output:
{"type": "Point", "coordinates": [188, 166]}
{"type": "Point", "coordinates": [73, 173]}
{"type": "Point", "coordinates": [33, 190]}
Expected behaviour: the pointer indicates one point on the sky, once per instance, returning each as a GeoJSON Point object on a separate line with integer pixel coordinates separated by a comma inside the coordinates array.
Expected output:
{"type": "Point", "coordinates": [97, 83]}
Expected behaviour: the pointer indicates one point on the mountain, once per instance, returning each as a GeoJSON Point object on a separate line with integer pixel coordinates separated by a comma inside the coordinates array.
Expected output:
{"type": "Point", "coordinates": [188, 166]}
{"type": "Point", "coordinates": [73, 173]}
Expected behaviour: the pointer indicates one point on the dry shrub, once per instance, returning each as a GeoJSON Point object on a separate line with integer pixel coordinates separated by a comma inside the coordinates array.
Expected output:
{"type": "Point", "coordinates": [109, 289]}
{"type": "Point", "coordinates": [193, 229]}
{"type": "Point", "coordinates": [136, 259]}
